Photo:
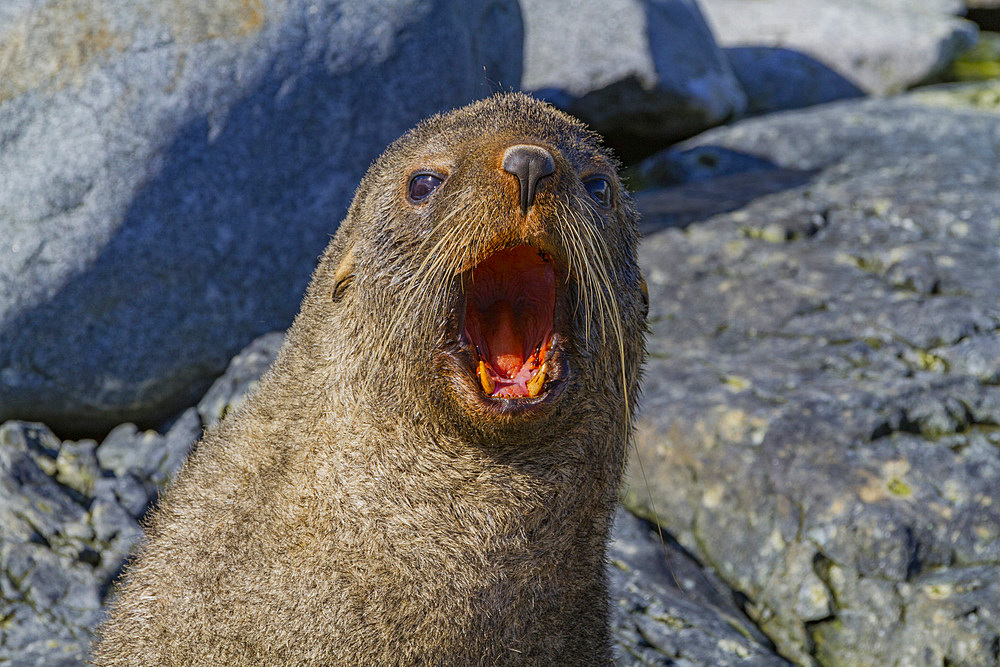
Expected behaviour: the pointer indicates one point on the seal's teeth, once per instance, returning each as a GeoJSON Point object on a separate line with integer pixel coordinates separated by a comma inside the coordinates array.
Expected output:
{"type": "Point", "coordinates": [535, 384]}
{"type": "Point", "coordinates": [484, 378]}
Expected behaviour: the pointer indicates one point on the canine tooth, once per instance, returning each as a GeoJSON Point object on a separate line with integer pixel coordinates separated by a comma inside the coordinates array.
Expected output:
{"type": "Point", "coordinates": [535, 383]}
{"type": "Point", "coordinates": [484, 378]}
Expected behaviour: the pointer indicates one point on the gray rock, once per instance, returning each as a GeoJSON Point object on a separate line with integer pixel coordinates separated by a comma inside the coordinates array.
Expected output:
{"type": "Point", "coordinates": [667, 610]}
{"type": "Point", "coordinates": [35, 506]}
{"type": "Point", "coordinates": [77, 466]}
{"type": "Point", "coordinates": [126, 491]}
{"type": "Point", "coordinates": [50, 598]}
{"type": "Point", "coordinates": [31, 639]}
{"type": "Point", "coordinates": [172, 170]}
{"type": "Point", "coordinates": [66, 526]}
{"type": "Point", "coordinates": [125, 450]}
{"type": "Point", "coordinates": [820, 408]}
{"type": "Point", "coordinates": [240, 378]}
{"type": "Point", "coordinates": [110, 519]}
{"type": "Point", "coordinates": [643, 73]}
{"type": "Point", "coordinates": [116, 534]}
{"type": "Point", "coordinates": [793, 53]}
{"type": "Point", "coordinates": [178, 440]}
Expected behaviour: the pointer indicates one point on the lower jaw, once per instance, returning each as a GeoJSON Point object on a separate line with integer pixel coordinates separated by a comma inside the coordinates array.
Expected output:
{"type": "Point", "coordinates": [511, 407]}
{"type": "Point", "coordinates": [470, 392]}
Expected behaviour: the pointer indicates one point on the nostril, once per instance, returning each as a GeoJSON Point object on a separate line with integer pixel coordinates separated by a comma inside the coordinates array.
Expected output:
{"type": "Point", "coordinates": [530, 164]}
{"type": "Point", "coordinates": [524, 161]}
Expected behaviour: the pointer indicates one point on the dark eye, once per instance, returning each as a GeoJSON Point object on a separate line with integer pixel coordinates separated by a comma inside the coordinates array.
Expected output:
{"type": "Point", "coordinates": [421, 186]}
{"type": "Point", "coordinates": [600, 190]}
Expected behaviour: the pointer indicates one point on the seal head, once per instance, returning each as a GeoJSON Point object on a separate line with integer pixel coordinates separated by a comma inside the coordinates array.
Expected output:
{"type": "Point", "coordinates": [510, 274]}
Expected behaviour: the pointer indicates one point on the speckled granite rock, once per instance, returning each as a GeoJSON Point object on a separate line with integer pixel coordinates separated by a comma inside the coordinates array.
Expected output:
{"type": "Point", "coordinates": [172, 169]}
{"type": "Point", "coordinates": [643, 73]}
{"type": "Point", "coordinates": [822, 405]}
{"type": "Point", "coordinates": [240, 377]}
{"type": "Point", "coordinates": [794, 53]}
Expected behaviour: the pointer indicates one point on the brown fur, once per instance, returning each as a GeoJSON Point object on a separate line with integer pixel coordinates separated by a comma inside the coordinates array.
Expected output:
{"type": "Point", "coordinates": [359, 508]}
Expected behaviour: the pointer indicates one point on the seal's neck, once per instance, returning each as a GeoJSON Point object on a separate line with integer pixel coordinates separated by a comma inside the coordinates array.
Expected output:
{"type": "Point", "coordinates": [487, 550]}
{"type": "Point", "coordinates": [473, 489]}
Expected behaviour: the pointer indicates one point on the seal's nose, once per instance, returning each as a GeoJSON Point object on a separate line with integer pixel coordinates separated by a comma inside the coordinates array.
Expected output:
{"type": "Point", "coordinates": [530, 164]}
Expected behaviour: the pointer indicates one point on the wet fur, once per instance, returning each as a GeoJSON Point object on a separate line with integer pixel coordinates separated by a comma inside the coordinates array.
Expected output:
{"type": "Point", "coordinates": [355, 510]}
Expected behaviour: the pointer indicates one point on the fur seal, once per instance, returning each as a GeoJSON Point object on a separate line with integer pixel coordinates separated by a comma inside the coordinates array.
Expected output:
{"type": "Point", "coordinates": [429, 471]}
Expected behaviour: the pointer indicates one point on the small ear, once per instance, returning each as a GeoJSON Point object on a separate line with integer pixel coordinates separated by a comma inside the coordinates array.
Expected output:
{"type": "Point", "coordinates": [344, 274]}
{"type": "Point", "coordinates": [645, 295]}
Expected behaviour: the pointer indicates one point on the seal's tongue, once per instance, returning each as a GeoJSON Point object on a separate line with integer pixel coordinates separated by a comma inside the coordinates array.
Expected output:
{"type": "Point", "coordinates": [505, 337]}
{"type": "Point", "coordinates": [509, 307]}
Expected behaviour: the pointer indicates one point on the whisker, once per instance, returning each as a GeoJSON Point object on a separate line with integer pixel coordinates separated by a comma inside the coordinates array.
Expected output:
{"type": "Point", "coordinates": [424, 285]}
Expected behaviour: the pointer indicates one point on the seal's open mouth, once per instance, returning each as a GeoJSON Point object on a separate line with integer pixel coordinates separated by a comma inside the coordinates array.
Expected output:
{"type": "Point", "coordinates": [509, 307]}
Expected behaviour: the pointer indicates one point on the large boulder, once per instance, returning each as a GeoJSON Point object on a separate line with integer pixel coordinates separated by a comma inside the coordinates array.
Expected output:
{"type": "Point", "coordinates": [644, 73]}
{"type": "Point", "coordinates": [795, 53]}
{"type": "Point", "coordinates": [822, 400]}
{"type": "Point", "coordinates": [171, 171]}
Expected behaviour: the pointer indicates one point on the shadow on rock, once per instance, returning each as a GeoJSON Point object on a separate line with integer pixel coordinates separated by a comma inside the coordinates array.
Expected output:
{"type": "Point", "coordinates": [777, 78]}
{"type": "Point", "coordinates": [687, 185]}
{"type": "Point", "coordinates": [181, 286]}
{"type": "Point", "coordinates": [216, 245]}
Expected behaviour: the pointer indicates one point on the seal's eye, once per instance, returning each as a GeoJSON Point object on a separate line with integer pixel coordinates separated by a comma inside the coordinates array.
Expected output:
{"type": "Point", "coordinates": [421, 186]}
{"type": "Point", "coordinates": [600, 189]}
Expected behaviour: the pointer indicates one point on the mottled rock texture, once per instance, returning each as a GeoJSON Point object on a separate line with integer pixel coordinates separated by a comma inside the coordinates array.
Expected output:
{"type": "Point", "coordinates": [69, 516]}
{"type": "Point", "coordinates": [822, 404]}
{"type": "Point", "coordinates": [172, 169]}
{"type": "Point", "coordinates": [667, 610]}
{"type": "Point", "coordinates": [643, 73]}
{"type": "Point", "coordinates": [71, 513]}
{"type": "Point", "coordinates": [795, 53]}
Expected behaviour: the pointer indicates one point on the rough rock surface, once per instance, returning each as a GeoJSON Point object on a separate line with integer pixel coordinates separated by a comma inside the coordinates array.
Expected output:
{"type": "Point", "coordinates": [74, 513]}
{"type": "Point", "coordinates": [172, 169]}
{"type": "Point", "coordinates": [795, 53]}
{"type": "Point", "coordinates": [71, 511]}
{"type": "Point", "coordinates": [667, 610]}
{"type": "Point", "coordinates": [822, 406]}
{"type": "Point", "coordinates": [643, 73]}
{"type": "Point", "coordinates": [69, 516]}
